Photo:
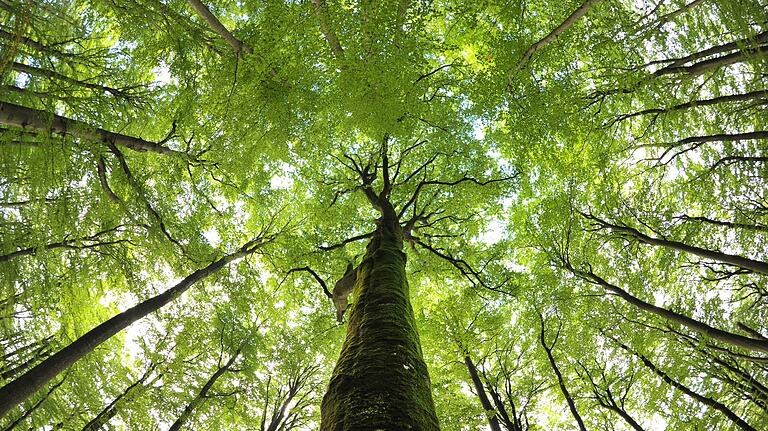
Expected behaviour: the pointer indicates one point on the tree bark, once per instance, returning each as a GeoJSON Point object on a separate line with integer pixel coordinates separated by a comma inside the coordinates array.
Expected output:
{"type": "Point", "coordinates": [687, 391]}
{"type": "Point", "coordinates": [203, 394]}
{"type": "Point", "coordinates": [488, 409]}
{"type": "Point", "coordinates": [23, 387]}
{"type": "Point", "coordinates": [380, 380]}
{"type": "Point", "coordinates": [560, 381]}
{"type": "Point", "coordinates": [42, 121]}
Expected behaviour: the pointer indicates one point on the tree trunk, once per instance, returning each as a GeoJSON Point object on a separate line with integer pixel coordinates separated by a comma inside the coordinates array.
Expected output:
{"type": "Point", "coordinates": [560, 381]}
{"type": "Point", "coordinates": [730, 259]}
{"type": "Point", "coordinates": [218, 27]}
{"type": "Point", "coordinates": [490, 412]}
{"type": "Point", "coordinates": [554, 34]}
{"type": "Point", "coordinates": [748, 343]}
{"type": "Point", "coordinates": [380, 380]}
{"type": "Point", "coordinates": [510, 424]}
{"type": "Point", "coordinates": [111, 409]}
{"type": "Point", "coordinates": [23, 387]}
{"type": "Point", "coordinates": [203, 394]}
{"type": "Point", "coordinates": [687, 391]}
{"type": "Point", "coordinates": [42, 121]}
{"type": "Point", "coordinates": [32, 409]}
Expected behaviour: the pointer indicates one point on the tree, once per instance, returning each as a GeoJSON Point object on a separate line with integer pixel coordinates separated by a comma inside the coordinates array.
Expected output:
{"type": "Point", "coordinates": [520, 216]}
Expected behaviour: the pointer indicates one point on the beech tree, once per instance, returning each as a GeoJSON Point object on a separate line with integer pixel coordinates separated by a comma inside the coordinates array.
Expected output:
{"type": "Point", "coordinates": [383, 215]}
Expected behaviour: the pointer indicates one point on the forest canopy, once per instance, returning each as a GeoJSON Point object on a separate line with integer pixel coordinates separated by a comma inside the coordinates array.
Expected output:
{"type": "Point", "coordinates": [356, 215]}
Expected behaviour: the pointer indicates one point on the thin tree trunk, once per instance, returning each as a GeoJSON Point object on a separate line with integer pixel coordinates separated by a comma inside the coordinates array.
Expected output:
{"type": "Point", "coordinates": [510, 424]}
{"type": "Point", "coordinates": [694, 325]}
{"type": "Point", "coordinates": [730, 259]}
{"type": "Point", "coordinates": [110, 410]}
{"type": "Point", "coordinates": [202, 395]}
{"type": "Point", "coordinates": [488, 409]}
{"type": "Point", "coordinates": [757, 40]}
{"type": "Point", "coordinates": [32, 70]}
{"type": "Point", "coordinates": [380, 380]}
{"type": "Point", "coordinates": [753, 95]}
{"type": "Point", "coordinates": [624, 415]}
{"type": "Point", "coordinates": [713, 63]}
{"type": "Point", "coordinates": [565, 25]}
{"type": "Point", "coordinates": [42, 121]}
{"type": "Point", "coordinates": [37, 46]}
{"type": "Point", "coordinates": [687, 391]}
{"type": "Point", "coordinates": [70, 244]}
{"type": "Point", "coordinates": [730, 224]}
{"type": "Point", "coordinates": [218, 27]}
{"type": "Point", "coordinates": [325, 28]}
{"type": "Point", "coordinates": [560, 381]}
{"type": "Point", "coordinates": [23, 387]}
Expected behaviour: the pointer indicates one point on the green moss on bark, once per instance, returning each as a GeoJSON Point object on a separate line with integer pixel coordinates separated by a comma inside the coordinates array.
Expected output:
{"type": "Point", "coordinates": [380, 381]}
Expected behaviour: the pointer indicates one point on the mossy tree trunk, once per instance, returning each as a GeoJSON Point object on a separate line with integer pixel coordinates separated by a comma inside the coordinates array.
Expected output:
{"type": "Point", "coordinates": [380, 381]}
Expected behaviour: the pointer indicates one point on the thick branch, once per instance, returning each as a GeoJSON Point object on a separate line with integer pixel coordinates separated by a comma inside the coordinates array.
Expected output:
{"type": "Point", "coordinates": [712, 63]}
{"type": "Point", "coordinates": [757, 40]}
{"type": "Point", "coordinates": [101, 170]}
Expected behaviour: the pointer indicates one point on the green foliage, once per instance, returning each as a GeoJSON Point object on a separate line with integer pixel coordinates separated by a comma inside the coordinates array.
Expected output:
{"type": "Point", "coordinates": [499, 167]}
